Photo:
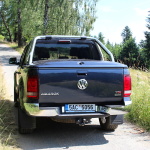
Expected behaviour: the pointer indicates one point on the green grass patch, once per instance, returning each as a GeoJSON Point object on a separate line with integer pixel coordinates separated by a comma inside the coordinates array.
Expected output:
{"type": "Point", "coordinates": [139, 110]}
{"type": "Point", "coordinates": [7, 125]}
{"type": "Point", "coordinates": [8, 132]}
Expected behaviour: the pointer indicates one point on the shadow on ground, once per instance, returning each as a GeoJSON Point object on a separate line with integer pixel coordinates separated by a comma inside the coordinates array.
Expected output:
{"type": "Point", "coordinates": [50, 134]}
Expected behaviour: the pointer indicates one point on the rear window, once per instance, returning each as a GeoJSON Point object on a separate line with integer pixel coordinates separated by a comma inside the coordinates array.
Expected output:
{"type": "Point", "coordinates": [50, 51]}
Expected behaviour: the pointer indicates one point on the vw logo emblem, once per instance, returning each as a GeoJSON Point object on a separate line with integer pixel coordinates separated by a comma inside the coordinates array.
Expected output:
{"type": "Point", "coordinates": [82, 84]}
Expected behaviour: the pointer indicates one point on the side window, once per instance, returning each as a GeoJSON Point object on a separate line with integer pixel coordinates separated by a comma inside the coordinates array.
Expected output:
{"type": "Point", "coordinates": [27, 55]}
{"type": "Point", "coordinates": [23, 56]}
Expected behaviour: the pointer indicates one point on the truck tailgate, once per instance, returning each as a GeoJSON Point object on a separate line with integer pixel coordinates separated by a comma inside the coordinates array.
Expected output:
{"type": "Point", "coordinates": [65, 85]}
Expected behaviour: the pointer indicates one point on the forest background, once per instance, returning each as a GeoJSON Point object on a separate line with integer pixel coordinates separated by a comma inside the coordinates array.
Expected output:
{"type": "Point", "coordinates": [21, 20]}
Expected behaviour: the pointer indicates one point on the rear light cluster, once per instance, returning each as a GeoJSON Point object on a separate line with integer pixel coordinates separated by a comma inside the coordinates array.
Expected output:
{"type": "Point", "coordinates": [33, 87]}
{"type": "Point", "coordinates": [127, 85]}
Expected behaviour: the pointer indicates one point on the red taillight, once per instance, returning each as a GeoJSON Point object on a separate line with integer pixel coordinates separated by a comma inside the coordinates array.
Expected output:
{"type": "Point", "coordinates": [32, 87]}
{"type": "Point", "coordinates": [127, 85]}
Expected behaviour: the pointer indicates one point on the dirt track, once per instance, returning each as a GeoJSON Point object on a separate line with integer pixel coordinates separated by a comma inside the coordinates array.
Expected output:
{"type": "Point", "coordinates": [58, 136]}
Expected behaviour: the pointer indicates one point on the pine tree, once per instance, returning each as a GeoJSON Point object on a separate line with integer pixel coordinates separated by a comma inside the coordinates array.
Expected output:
{"type": "Point", "coordinates": [130, 50]}
{"type": "Point", "coordinates": [126, 34]}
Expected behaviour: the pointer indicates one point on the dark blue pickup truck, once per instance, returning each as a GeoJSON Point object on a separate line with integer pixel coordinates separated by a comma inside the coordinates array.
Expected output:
{"type": "Point", "coordinates": [69, 78]}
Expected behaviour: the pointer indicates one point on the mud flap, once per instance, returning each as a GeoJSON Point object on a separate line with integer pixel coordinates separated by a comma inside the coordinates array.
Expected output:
{"type": "Point", "coordinates": [25, 121]}
{"type": "Point", "coordinates": [116, 119]}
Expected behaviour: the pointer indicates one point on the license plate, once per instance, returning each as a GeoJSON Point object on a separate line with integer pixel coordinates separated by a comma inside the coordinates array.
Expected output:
{"type": "Point", "coordinates": [80, 107]}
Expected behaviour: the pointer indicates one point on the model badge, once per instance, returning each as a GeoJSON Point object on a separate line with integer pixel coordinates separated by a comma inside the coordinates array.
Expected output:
{"type": "Point", "coordinates": [117, 93]}
{"type": "Point", "coordinates": [51, 94]}
{"type": "Point", "coordinates": [82, 84]}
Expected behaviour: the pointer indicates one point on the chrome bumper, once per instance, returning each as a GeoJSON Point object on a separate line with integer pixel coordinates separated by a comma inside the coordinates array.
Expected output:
{"type": "Point", "coordinates": [36, 111]}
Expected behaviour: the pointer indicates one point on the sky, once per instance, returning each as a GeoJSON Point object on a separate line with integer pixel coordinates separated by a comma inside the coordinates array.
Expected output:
{"type": "Point", "coordinates": [114, 15]}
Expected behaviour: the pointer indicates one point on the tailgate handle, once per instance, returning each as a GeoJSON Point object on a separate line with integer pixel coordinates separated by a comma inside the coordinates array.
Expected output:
{"type": "Point", "coordinates": [82, 73]}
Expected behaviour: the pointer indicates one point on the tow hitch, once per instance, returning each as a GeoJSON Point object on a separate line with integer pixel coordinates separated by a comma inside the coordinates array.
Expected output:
{"type": "Point", "coordinates": [82, 121]}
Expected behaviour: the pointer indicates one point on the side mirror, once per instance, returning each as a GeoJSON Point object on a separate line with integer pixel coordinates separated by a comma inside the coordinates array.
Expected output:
{"type": "Point", "coordinates": [13, 60]}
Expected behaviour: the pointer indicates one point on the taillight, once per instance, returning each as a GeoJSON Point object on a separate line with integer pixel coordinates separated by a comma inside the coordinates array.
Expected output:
{"type": "Point", "coordinates": [32, 87]}
{"type": "Point", "coordinates": [127, 85]}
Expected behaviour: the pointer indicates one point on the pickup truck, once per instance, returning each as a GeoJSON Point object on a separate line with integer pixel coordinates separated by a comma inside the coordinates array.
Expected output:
{"type": "Point", "coordinates": [69, 79]}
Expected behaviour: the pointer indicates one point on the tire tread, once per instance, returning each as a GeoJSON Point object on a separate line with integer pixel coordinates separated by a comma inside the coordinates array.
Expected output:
{"type": "Point", "coordinates": [107, 126]}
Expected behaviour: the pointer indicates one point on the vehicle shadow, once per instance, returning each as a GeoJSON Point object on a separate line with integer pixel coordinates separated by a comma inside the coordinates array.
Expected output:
{"type": "Point", "coordinates": [50, 134]}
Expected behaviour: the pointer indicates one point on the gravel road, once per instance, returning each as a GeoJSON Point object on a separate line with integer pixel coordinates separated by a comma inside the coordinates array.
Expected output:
{"type": "Point", "coordinates": [59, 136]}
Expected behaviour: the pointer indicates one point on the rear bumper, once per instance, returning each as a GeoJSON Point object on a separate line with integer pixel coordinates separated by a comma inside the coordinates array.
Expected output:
{"type": "Point", "coordinates": [127, 101]}
{"type": "Point", "coordinates": [36, 111]}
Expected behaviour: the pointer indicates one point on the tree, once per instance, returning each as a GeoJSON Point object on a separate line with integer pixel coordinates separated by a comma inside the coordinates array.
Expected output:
{"type": "Point", "coordinates": [147, 43]}
{"type": "Point", "coordinates": [130, 51]}
{"type": "Point", "coordinates": [3, 15]}
{"type": "Point", "coordinates": [19, 20]}
{"type": "Point", "coordinates": [101, 37]}
{"type": "Point", "coordinates": [126, 34]}
{"type": "Point", "coordinates": [29, 18]}
{"type": "Point", "coordinates": [45, 21]}
{"type": "Point", "coordinates": [74, 17]}
{"type": "Point", "coordinates": [115, 49]}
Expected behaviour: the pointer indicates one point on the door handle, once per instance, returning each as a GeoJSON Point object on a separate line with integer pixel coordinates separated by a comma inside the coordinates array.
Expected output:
{"type": "Point", "coordinates": [82, 73]}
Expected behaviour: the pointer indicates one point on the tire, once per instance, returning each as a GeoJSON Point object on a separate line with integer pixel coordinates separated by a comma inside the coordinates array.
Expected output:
{"type": "Point", "coordinates": [107, 126]}
{"type": "Point", "coordinates": [25, 131]}
{"type": "Point", "coordinates": [26, 124]}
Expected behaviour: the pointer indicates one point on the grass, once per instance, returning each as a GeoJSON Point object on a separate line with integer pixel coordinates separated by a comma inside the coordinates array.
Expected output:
{"type": "Point", "coordinates": [139, 110]}
{"type": "Point", "coordinates": [7, 126]}
{"type": "Point", "coordinates": [7, 123]}
{"type": "Point", "coordinates": [15, 46]}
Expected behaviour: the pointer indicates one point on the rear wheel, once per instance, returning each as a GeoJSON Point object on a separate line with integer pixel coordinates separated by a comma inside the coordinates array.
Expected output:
{"type": "Point", "coordinates": [26, 124]}
{"type": "Point", "coordinates": [106, 125]}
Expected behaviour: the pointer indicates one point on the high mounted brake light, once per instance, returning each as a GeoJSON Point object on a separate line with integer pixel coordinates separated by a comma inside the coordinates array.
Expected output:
{"type": "Point", "coordinates": [127, 85]}
{"type": "Point", "coordinates": [64, 41]}
{"type": "Point", "coordinates": [33, 87]}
